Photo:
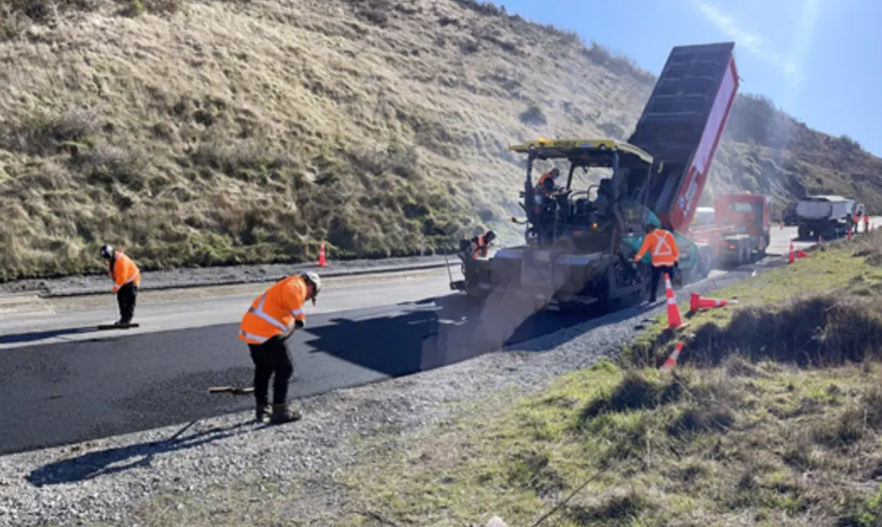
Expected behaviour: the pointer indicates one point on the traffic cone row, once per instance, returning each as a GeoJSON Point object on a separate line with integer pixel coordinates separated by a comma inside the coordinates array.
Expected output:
{"type": "Point", "coordinates": [322, 262]}
{"type": "Point", "coordinates": [698, 302]}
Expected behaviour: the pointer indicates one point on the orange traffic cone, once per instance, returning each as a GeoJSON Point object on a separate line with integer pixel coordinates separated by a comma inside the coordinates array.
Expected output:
{"type": "Point", "coordinates": [820, 240]}
{"type": "Point", "coordinates": [697, 302]}
{"type": "Point", "coordinates": [802, 254]}
{"type": "Point", "coordinates": [672, 360]}
{"type": "Point", "coordinates": [322, 261]}
{"type": "Point", "coordinates": [792, 258]}
{"type": "Point", "coordinates": [674, 319]}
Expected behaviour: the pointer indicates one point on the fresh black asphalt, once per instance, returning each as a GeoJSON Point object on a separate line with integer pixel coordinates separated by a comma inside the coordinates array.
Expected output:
{"type": "Point", "coordinates": [69, 392]}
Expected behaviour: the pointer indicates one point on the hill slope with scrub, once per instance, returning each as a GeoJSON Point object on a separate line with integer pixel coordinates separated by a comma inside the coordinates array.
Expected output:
{"type": "Point", "coordinates": [220, 132]}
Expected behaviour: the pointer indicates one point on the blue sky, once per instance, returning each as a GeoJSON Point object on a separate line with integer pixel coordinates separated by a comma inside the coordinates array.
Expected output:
{"type": "Point", "coordinates": [818, 60]}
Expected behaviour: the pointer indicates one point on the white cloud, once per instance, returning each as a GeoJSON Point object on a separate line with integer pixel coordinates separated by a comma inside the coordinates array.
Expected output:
{"type": "Point", "coordinates": [752, 41]}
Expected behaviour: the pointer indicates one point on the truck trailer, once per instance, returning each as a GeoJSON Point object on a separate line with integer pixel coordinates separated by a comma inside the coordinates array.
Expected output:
{"type": "Point", "coordinates": [826, 216]}
{"type": "Point", "coordinates": [578, 248]}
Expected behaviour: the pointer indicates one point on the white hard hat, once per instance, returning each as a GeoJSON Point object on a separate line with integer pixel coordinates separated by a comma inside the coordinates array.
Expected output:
{"type": "Point", "coordinates": [314, 279]}
{"type": "Point", "coordinates": [107, 252]}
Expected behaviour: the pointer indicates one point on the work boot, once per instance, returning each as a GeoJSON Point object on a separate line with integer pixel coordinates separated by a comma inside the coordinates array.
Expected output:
{"type": "Point", "coordinates": [283, 414]}
{"type": "Point", "coordinates": [262, 412]}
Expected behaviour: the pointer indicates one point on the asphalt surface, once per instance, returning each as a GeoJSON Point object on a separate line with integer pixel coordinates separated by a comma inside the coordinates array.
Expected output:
{"type": "Point", "coordinates": [74, 391]}
{"type": "Point", "coordinates": [63, 382]}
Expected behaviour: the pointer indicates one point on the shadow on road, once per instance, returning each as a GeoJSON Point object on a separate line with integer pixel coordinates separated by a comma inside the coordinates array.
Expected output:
{"type": "Point", "coordinates": [114, 460]}
{"type": "Point", "coordinates": [40, 335]}
{"type": "Point", "coordinates": [441, 331]}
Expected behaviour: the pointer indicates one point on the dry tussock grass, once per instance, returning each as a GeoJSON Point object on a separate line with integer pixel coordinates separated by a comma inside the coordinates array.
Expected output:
{"type": "Point", "coordinates": [218, 132]}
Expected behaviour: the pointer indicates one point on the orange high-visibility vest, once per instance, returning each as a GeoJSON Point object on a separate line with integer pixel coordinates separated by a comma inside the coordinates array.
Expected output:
{"type": "Point", "coordinates": [663, 247]}
{"type": "Point", "coordinates": [545, 177]}
{"type": "Point", "coordinates": [274, 312]}
{"type": "Point", "coordinates": [480, 248]}
{"type": "Point", "coordinates": [123, 271]}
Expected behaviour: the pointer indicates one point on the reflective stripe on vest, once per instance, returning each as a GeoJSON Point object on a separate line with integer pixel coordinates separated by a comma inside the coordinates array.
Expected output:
{"type": "Point", "coordinates": [662, 242]}
{"type": "Point", "coordinates": [252, 337]}
{"type": "Point", "coordinates": [261, 314]}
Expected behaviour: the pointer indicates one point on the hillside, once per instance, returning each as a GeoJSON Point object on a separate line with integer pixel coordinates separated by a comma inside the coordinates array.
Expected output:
{"type": "Point", "coordinates": [217, 132]}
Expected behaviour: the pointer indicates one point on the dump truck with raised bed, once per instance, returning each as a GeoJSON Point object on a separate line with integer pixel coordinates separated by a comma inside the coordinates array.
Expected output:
{"type": "Point", "coordinates": [578, 250]}
{"type": "Point", "coordinates": [826, 216]}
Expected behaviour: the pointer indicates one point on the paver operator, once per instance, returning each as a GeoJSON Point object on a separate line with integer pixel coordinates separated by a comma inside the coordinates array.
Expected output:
{"type": "Point", "coordinates": [665, 255]}
{"type": "Point", "coordinates": [126, 280]}
{"type": "Point", "coordinates": [269, 322]}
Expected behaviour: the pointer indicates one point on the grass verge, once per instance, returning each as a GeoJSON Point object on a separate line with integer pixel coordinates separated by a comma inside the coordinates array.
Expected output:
{"type": "Point", "coordinates": [773, 416]}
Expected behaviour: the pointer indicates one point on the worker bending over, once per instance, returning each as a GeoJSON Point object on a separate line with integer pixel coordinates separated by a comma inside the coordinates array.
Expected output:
{"type": "Point", "coordinates": [126, 280]}
{"type": "Point", "coordinates": [665, 255]}
{"type": "Point", "coordinates": [266, 327]}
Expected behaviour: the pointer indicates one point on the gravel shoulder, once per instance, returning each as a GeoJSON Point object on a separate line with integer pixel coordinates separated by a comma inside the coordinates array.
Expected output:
{"type": "Point", "coordinates": [214, 276]}
{"type": "Point", "coordinates": [223, 470]}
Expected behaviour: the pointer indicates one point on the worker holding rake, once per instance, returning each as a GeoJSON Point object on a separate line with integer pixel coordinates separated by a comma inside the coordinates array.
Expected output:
{"type": "Point", "coordinates": [266, 327]}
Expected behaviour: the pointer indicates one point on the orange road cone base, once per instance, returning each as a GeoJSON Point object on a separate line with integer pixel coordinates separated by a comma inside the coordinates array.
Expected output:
{"type": "Point", "coordinates": [698, 302]}
{"type": "Point", "coordinates": [672, 360]}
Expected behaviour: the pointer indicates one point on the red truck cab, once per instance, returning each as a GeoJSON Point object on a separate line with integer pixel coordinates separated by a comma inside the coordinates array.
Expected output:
{"type": "Point", "coordinates": [741, 230]}
{"type": "Point", "coordinates": [748, 213]}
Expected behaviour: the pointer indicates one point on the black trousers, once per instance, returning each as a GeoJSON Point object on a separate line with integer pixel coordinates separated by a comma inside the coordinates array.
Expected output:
{"type": "Point", "coordinates": [657, 273]}
{"type": "Point", "coordinates": [126, 297]}
{"type": "Point", "coordinates": [271, 357]}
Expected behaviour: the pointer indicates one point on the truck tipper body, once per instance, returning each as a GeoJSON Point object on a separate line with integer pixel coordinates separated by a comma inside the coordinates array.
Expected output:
{"type": "Point", "coordinates": [682, 124]}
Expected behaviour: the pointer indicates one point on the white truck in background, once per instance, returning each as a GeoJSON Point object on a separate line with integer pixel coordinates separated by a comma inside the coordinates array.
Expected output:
{"type": "Point", "coordinates": [827, 216]}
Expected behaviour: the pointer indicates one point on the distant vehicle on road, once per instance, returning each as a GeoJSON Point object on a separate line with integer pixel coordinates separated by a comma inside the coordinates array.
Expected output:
{"type": "Point", "coordinates": [826, 216]}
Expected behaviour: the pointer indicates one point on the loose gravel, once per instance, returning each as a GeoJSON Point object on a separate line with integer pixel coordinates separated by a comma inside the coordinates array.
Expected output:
{"type": "Point", "coordinates": [106, 481]}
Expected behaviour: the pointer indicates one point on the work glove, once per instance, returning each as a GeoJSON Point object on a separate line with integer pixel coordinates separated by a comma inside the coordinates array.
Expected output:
{"type": "Point", "coordinates": [299, 324]}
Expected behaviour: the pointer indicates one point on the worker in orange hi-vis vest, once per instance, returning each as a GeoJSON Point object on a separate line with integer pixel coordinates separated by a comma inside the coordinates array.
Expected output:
{"type": "Point", "coordinates": [481, 244]}
{"type": "Point", "coordinates": [126, 280]}
{"type": "Point", "coordinates": [266, 327]}
{"type": "Point", "coordinates": [665, 255]}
